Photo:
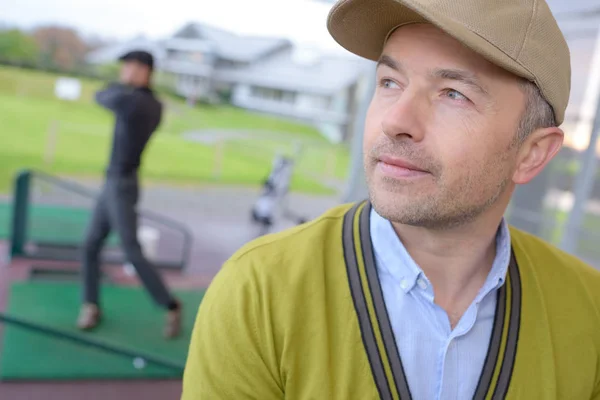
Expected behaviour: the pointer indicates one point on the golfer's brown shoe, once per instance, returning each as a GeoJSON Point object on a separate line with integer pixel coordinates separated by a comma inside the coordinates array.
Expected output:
{"type": "Point", "coordinates": [173, 322]}
{"type": "Point", "coordinates": [89, 316]}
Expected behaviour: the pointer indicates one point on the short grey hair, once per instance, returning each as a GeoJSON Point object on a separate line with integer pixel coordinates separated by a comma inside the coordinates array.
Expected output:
{"type": "Point", "coordinates": [538, 112]}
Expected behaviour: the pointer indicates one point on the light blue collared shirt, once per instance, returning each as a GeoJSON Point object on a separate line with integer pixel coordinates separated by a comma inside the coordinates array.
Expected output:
{"type": "Point", "coordinates": [439, 363]}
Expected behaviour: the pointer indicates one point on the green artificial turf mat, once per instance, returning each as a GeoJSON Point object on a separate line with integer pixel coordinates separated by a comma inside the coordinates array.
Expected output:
{"type": "Point", "coordinates": [131, 321]}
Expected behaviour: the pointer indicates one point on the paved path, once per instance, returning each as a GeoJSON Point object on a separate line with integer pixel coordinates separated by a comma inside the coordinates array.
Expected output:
{"type": "Point", "coordinates": [212, 136]}
{"type": "Point", "coordinates": [219, 218]}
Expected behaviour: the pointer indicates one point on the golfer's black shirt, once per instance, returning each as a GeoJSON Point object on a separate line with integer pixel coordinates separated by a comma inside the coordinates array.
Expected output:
{"type": "Point", "coordinates": [137, 115]}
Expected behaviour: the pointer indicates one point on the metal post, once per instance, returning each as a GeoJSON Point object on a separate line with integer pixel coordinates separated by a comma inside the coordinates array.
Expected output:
{"type": "Point", "coordinates": [20, 214]}
{"type": "Point", "coordinates": [583, 188]}
{"type": "Point", "coordinates": [585, 180]}
{"type": "Point", "coordinates": [356, 188]}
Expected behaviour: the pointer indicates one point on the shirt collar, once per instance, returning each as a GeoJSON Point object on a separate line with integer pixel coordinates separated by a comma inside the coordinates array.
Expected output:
{"type": "Point", "coordinates": [497, 275]}
{"type": "Point", "coordinates": [393, 258]}
{"type": "Point", "coordinates": [391, 255]}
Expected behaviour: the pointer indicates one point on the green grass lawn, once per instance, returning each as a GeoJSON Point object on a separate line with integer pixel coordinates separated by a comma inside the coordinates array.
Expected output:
{"type": "Point", "coordinates": [28, 109]}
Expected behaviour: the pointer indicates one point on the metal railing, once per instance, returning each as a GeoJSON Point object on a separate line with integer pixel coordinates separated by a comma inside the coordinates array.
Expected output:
{"type": "Point", "coordinates": [21, 214]}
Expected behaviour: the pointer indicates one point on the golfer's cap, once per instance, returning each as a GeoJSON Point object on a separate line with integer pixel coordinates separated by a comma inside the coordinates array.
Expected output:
{"type": "Point", "coordinates": [140, 56]}
{"type": "Point", "coordinates": [520, 36]}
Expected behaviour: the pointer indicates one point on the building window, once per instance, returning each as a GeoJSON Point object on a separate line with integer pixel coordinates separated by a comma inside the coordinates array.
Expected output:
{"type": "Point", "coordinates": [196, 57]}
{"type": "Point", "coordinates": [283, 96]}
{"type": "Point", "coordinates": [321, 102]}
{"type": "Point", "coordinates": [187, 56]}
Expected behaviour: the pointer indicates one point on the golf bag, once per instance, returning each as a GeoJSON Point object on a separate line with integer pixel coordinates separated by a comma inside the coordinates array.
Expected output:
{"type": "Point", "coordinates": [272, 200]}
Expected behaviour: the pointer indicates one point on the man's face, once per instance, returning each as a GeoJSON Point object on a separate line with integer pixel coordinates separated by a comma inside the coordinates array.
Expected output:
{"type": "Point", "coordinates": [439, 134]}
{"type": "Point", "coordinates": [134, 73]}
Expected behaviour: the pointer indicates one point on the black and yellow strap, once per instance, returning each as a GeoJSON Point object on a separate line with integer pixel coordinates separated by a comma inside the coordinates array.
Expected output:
{"type": "Point", "coordinates": [376, 329]}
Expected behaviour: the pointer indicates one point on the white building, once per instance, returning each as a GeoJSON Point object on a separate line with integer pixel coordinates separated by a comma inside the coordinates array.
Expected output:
{"type": "Point", "coordinates": [261, 74]}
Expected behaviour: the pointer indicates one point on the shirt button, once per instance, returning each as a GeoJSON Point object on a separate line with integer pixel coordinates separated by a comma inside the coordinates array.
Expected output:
{"type": "Point", "coordinates": [422, 284]}
{"type": "Point", "coordinates": [404, 284]}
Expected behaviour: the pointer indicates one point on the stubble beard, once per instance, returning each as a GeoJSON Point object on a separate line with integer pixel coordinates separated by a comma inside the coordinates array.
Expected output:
{"type": "Point", "coordinates": [446, 208]}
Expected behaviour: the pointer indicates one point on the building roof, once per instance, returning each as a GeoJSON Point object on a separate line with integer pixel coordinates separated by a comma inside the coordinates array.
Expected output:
{"type": "Point", "coordinates": [267, 62]}
{"type": "Point", "coordinates": [299, 70]}
{"type": "Point", "coordinates": [176, 43]}
{"type": "Point", "coordinates": [231, 46]}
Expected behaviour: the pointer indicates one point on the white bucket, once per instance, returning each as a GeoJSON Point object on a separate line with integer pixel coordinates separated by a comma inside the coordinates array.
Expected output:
{"type": "Point", "coordinates": [148, 238]}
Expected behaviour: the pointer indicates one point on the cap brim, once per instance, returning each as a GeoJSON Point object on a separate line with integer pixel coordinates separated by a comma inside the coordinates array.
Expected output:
{"type": "Point", "coordinates": [363, 26]}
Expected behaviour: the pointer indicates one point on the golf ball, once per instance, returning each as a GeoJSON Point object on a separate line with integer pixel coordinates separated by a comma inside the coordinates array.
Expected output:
{"type": "Point", "coordinates": [139, 363]}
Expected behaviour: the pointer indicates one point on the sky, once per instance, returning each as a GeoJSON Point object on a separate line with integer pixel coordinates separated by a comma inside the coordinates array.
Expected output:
{"type": "Point", "coordinates": [302, 21]}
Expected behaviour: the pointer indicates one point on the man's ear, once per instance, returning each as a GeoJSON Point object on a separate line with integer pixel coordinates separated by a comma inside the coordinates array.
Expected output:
{"type": "Point", "coordinates": [536, 152]}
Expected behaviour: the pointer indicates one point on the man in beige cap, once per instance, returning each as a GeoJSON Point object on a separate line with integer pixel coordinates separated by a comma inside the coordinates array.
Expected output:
{"type": "Point", "coordinates": [423, 291]}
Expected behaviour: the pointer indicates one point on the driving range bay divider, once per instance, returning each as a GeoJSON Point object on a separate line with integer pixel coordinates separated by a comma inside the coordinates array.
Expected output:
{"type": "Point", "coordinates": [50, 215]}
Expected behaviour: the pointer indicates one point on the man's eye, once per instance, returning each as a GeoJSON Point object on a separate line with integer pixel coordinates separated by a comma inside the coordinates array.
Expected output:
{"type": "Point", "coordinates": [388, 84]}
{"type": "Point", "coordinates": [455, 94]}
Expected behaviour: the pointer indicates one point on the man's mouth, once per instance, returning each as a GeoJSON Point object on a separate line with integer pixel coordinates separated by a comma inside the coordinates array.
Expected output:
{"type": "Point", "coordinates": [400, 168]}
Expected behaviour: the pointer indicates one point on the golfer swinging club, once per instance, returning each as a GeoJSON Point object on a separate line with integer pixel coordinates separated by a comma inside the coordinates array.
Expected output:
{"type": "Point", "coordinates": [137, 115]}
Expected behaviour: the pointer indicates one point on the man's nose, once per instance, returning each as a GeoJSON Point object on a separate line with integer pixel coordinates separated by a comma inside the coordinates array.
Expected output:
{"type": "Point", "coordinates": [405, 116]}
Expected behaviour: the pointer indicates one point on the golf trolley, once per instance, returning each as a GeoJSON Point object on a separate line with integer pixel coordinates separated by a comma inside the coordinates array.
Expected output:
{"type": "Point", "coordinates": [272, 201]}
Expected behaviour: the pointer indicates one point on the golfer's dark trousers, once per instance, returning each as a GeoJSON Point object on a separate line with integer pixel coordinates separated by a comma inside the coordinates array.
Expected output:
{"type": "Point", "coordinates": [116, 211]}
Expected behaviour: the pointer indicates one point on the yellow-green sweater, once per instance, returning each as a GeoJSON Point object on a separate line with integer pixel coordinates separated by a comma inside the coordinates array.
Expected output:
{"type": "Point", "coordinates": [300, 315]}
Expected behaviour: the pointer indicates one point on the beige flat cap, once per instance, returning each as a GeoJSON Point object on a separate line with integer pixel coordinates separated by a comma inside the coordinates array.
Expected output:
{"type": "Point", "coordinates": [520, 36]}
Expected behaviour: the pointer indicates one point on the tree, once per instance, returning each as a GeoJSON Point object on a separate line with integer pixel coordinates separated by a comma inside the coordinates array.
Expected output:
{"type": "Point", "coordinates": [60, 48]}
{"type": "Point", "coordinates": [18, 47]}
